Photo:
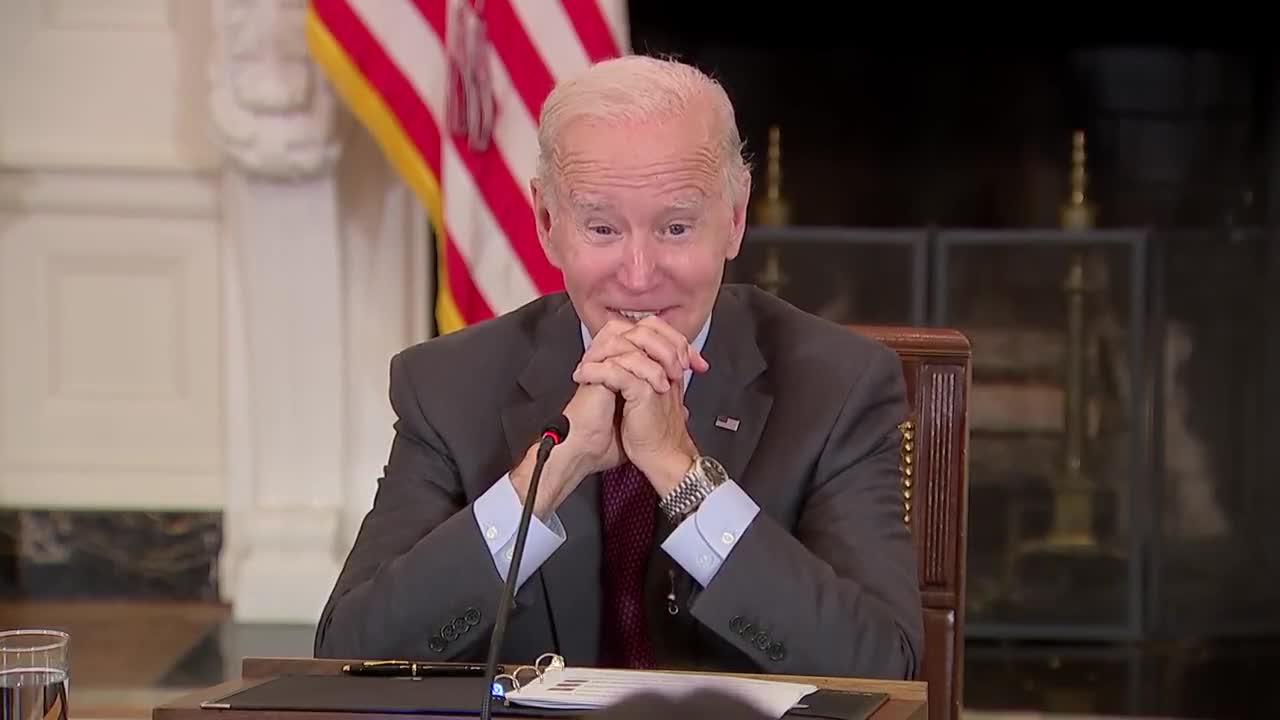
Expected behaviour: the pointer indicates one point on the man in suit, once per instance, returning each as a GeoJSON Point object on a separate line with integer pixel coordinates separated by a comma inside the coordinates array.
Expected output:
{"type": "Point", "coordinates": [728, 494]}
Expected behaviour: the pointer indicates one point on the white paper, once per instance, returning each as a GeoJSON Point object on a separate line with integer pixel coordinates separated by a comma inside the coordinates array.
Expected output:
{"type": "Point", "coordinates": [591, 689]}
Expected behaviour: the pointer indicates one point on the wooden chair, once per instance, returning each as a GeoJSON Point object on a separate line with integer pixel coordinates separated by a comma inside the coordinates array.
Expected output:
{"type": "Point", "coordinates": [937, 366]}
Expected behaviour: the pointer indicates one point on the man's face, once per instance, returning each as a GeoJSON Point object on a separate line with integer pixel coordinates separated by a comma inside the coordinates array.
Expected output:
{"type": "Point", "coordinates": [642, 222]}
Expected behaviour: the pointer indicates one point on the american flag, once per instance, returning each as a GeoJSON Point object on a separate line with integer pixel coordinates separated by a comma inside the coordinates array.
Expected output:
{"type": "Point", "coordinates": [451, 90]}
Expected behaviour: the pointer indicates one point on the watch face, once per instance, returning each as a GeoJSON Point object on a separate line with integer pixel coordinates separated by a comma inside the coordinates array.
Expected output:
{"type": "Point", "coordinates": [712, 471]}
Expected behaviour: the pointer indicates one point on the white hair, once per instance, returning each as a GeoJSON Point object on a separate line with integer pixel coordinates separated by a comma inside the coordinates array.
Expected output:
{"type": "Point", "coordinates": [637, 89]}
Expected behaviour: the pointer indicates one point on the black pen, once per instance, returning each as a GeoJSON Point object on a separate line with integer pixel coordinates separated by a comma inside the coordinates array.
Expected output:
{"type": "Point", "coordinates": [410, 669]}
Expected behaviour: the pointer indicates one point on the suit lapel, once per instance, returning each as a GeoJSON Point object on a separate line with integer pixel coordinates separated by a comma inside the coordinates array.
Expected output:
{"type": "Point", "coordinates": [571, 588]}
{"type": "Point", "coordinates": [726, 392]}
{"type": "Point", "coordinates": [547, 379]}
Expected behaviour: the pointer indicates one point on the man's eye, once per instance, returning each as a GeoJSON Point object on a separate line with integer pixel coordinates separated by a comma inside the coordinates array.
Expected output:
{"type": "Point", "coordinates": [604, 230]}
{"type": "Point", "coordinates": [677, 229]}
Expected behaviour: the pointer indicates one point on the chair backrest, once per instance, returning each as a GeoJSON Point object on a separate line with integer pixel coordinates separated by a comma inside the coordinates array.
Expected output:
{"type": "Point", "coordinates": [937, 366]}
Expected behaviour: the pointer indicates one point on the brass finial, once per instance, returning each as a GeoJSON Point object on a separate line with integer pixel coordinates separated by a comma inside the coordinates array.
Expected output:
{"type": "Point", "coordinates": [1078, 213]}
{"type": "Point", "coordinates": [771, 278]}
{"type": "Point", "coordinates": [773, 209]}
{"type": "Point", "coordinates": [1078, 175]}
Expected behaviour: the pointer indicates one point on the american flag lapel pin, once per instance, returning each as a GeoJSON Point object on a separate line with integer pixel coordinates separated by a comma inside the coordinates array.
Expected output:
{"type": "Point", "coordinates": [727, 423]}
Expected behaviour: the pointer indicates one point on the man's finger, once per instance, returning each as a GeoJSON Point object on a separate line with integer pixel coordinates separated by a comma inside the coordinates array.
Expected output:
{"type": "Point", "coordinates": [697, 362]}
{"type": "Point", "coordinates": [612, 328]}
{"type": "Point", "coordinates": [674, 358]}
{"type": "Point", "coordinates": [676, 338]}
{"type": "Point", "coordinates": [645, 368]}
{"type": "Point", "coordinates": [658, 325]}
{"type": "Point", "coordinates": [608, 374]}
{"type": "Point", "coordinates": [603, 348]}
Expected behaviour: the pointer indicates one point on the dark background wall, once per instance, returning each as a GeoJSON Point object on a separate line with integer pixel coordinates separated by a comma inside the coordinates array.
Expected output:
{"type": "Point", "coordinates": [1183, 140]}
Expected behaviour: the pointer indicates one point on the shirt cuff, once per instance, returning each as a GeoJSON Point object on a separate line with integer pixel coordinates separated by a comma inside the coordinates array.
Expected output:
{"type": "Point", "coordinates": [497, 513]}
{"type": "Point", "coordinates": [704, 540]}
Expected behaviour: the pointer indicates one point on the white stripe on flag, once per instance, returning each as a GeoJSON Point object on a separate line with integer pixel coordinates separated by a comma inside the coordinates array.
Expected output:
{"type": "Point", "coordinates": [497, 272]}
{"type": "Point", "coordinates": [552, 34]}
{"type": "Point", "coordinates": [413, 46]}
{"type": "Point", "coordinates": [515, 131]}
{"type": "Point", "coordinates": [615, 14]}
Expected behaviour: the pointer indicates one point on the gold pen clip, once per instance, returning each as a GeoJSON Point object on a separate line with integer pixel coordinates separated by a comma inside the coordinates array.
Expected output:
{"type": "Point", "coordinates": [367, 665]}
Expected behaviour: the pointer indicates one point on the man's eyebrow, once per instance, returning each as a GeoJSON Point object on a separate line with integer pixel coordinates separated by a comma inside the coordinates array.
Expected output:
{"type": "Point", "coordinates": [595, 203]}
{"type": "Point", "coordinates": [590, 202]}
{"type": "Point", "coordinates": [686, 202]}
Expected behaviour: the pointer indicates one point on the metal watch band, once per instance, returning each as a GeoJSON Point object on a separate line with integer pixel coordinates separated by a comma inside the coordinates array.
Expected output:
{"type": "Point", "coordinates": [704, 476]}
{"type": "Point", "coordinates": [684, 498]}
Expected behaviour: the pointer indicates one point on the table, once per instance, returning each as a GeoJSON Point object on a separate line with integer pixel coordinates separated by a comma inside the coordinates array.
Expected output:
{"type": "Point", "coordinates": [907, 700]}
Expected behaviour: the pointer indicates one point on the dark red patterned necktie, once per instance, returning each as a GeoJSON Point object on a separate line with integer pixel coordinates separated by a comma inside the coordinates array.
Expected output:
{"type": "Point", "coordinates": [627, 504]}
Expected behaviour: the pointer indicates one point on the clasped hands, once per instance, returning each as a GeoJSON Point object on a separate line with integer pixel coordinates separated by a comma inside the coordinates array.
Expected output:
{"type": "Point", "coordinates": [629, 406]}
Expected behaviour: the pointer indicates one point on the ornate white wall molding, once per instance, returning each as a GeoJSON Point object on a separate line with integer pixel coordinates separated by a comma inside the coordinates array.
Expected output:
{"type": "Point", "coordinates": [282, 282]}
{"type": "Point", "coordinates": [110, 379]}
{"type": "Point", "coordinates": [323, 265]}
{"type": "Point", "coordinates": [273, 114]}
{"type": "Point", "coordinates": [274, 120]}
{"type": "Point", "coordinates": [111, 375]}
{"type": "Point", "coordinates": [141, 193]}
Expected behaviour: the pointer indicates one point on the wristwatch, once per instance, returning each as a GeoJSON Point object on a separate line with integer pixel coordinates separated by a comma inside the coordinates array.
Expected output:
{"type": "Point", "coordinates": [702, 478]}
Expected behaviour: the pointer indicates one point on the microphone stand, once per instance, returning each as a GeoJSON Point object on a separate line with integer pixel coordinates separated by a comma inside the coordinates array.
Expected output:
{"type": "Point", "coordinates": [553, 435]}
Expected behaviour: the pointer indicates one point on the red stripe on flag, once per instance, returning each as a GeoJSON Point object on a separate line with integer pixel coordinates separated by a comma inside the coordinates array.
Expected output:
{"type": "Point", "coordinates": [508, 204]}
{"type": "Point", "coordinates": [593, 30]}
{"type": "Point", "coordinates": [419, 126]}
{"type": "Point", "coordinates": [505, 197]}
{"type": "Point", "coordinates": [471, 304]}
{"type": "Point", "coordinates": [529, 74]}
{"type": "Point", "coordinates": [507, 200]}
{"type": "Point", "coordinates": [512, 211]}
{"type": "Point", "coordinates": [434, 12]}
{"type": "Point", "coordinates": [367, 54]}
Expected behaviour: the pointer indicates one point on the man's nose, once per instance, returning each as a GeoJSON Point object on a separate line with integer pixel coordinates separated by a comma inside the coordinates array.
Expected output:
{"type": "Point", "coordinates": [639, 270]}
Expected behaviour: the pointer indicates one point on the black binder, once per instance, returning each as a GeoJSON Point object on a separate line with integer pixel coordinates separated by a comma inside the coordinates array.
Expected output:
{"type": "Point", "coordinates": [459, 696]}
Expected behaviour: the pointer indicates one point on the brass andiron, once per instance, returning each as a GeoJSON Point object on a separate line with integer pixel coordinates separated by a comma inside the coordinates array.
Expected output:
{"type": "Point", "coordinates": [773, 210]}
{"type": "Point", "coordinates": [1072, 523]}
{"type": "Point", "coordinates": [1070, 557]}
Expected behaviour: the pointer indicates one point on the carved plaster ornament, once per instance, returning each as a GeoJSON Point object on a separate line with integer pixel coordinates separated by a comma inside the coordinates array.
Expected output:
{"type": "Point", "coordinates": [273, 114]}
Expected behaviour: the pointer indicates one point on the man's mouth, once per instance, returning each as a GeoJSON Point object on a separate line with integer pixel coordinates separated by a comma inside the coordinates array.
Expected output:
{"type": "Point", "coordinates": [636, 314]}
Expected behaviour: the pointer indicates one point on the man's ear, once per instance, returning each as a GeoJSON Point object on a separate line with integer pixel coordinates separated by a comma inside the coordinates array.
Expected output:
{"type": "Point", "coordinates": [738, 226]}
{"type": "Point", "coordinates": [542, 220]}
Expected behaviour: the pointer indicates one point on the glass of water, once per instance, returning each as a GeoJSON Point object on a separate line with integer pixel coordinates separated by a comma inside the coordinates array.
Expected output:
{"type": "Point", "coordinates": [33, 674]}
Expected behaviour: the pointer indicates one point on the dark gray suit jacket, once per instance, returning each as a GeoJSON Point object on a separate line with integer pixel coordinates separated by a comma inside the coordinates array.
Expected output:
{"type": "Point", "coordinates": [823, 582]}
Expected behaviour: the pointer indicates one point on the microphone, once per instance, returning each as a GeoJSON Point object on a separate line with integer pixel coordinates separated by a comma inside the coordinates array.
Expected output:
{"type": "Point", "coordinates": [553, 434]}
